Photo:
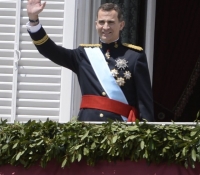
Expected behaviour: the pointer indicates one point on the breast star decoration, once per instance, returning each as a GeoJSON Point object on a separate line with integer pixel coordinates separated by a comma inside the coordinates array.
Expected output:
{"type": "Point", "coordinates": [114, 72]}
{"type": "Point", "coordinates": [121, 63]}
{"type": "Point", "coordinates": [120, 81]}
{"type": "Point", "coordinates": [127, 75]}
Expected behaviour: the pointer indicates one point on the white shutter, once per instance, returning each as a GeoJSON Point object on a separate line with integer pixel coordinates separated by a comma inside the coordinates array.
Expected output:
{"type": "Point", "coordinates": [39, 80]}
{"type": "Point", "coordinates": [7, 44]}
{"type": "Point", "coordinates": [30, 85]}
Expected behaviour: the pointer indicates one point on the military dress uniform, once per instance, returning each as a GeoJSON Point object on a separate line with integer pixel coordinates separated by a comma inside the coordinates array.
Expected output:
{"type": "Point", "coordinates": [127, 64]}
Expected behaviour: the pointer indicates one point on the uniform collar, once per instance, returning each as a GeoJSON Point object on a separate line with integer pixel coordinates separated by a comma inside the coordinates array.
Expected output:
{"type": "Point", "coordinates": [110, 46]}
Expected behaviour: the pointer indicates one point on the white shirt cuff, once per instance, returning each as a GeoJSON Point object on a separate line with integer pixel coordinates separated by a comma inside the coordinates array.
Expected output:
{"type": "Point", "coordinates": [33, 29]}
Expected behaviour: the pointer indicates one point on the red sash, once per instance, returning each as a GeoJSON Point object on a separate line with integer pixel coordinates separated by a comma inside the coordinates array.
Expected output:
{"type": "Point", "coordinates": [106, 104]}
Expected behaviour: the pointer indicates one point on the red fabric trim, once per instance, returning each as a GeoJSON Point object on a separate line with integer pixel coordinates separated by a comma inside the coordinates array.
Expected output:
{"type": "Point", "coordinates": [106, 104]}
{"type": "Point", "coordinates": [141, 167]}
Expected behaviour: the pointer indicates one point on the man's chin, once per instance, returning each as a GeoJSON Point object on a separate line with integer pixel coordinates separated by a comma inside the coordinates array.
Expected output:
{"type": "Point", "coordinates": [105, 39]}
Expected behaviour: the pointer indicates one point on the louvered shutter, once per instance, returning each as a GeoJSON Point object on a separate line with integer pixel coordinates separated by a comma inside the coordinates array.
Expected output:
{"type": "Point", "coordinates": [7, 46]}
{"type": "Point", "coordinates": [39, 80]}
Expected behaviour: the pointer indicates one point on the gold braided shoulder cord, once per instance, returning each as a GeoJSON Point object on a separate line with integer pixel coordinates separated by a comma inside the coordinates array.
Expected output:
{"type": "Point", "coordinates": [41, 41]}
{"type": "Point", "coordinates": [133, 46]}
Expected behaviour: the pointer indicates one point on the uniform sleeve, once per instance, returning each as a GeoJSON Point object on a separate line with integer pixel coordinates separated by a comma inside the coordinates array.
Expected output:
{"type": "Point", "coordinates": [143, 88]}
{"type": "Point", "coordinates": [64, 57]}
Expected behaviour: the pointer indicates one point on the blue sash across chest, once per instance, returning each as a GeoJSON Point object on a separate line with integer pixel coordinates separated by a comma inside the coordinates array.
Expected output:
{"type": "Point", "coordinates": [104, 75]}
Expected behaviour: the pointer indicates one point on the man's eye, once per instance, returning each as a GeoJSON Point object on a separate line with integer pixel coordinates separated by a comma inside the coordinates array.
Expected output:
{"type": "Point", "coordinates": [110, 22]}
{"type": "Point", "coordinates": [101, 22]}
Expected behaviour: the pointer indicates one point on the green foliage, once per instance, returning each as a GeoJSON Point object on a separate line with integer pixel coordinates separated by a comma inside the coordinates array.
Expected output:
{"type": "Point", "coordinates": [36, 141]}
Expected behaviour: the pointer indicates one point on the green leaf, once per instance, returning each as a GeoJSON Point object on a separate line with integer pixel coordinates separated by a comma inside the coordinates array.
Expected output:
{"type": "Point", "coordinates": [5, 146]}
{"type": "Point", "coordinates": [93, 146]}
{"type": "Point", "coordinates": [170, 138]}
{"type": "Point", "coordinates": [164, 150]}
{"type": "Point", "coordinates": [186, 164]}
{"type": "Point", "coordinates": [85, 151]}
{"type": "Point", "coordinates": [151, 145]}
{"type": "Point", "coordinates": [198, 114]}
{"type": "Point", "coordinates": [146, 154]}
{"type": "Point", "coordinates": [131, 137]}
{"type": "Point", "coordinates": [64, 163]}
{"type": "Point", "coordinates": [132, 128]}
{"type": "Point", "coordinates": [137, 122]}
{"type": "Point", "coordinates": [40, 142]}
{"type": "Point", "coordinates": [85, 135]}
{"type": "Point", "coordinates": [15, 145]}
{"type": "Point", "coordinates": [142, 145]}
{"type": "Point", "coordinates": [193, 154]}
{"type": "Point", "coordinates": [73, 158]}
{"type": "Point", "coordinates": [184, 151]}
{"type": "Point", "coordinates": [193, 133]}
{"type": "Point", "coordinates": [78, 146]}
{"type": "Point", "coordinates": [109, 150]}
{"type": "Point", "coordinates": [105, 138]}
{"type": "Point", "coordinates": [148, 131]}
{"type": "Point", "coordinates": [18, 155]}
{"type": "Point", "coordinates": [177, 154]}
{"type": "Point", "coordinates": [114, 139]}
{"type": "Point", "coordinates": [32, 145]}
{"type": "Point", "coordinates": [79, 157]}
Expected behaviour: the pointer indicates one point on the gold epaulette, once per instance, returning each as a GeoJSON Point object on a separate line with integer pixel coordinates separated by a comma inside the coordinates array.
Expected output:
{"type": "Point", "coordinates": [90, 45]}
{"type": "Point", "coordinates": [41, 41]}
{"type": "Point", "coordinates": [132, 46]}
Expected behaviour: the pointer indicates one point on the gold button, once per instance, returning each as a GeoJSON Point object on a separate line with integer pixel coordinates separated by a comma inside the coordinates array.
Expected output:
{"type": "Point", "coordinates": [101, 115]}
{"type": "Point", "coordinates": [103, 93]}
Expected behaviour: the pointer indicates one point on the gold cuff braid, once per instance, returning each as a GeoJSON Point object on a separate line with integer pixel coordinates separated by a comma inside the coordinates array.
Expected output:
{"type": "Point", "coordinates": [90, 45]}
{"type": "Point", "coordinates": [41, 41]}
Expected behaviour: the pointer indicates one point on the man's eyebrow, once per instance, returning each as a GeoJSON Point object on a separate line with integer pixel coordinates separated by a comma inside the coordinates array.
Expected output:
{"type": "Point", "coordinates": [102, 20]}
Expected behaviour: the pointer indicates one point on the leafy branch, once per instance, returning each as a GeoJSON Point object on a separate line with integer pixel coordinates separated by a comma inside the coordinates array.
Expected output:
{"type": "Point", "coordinates": [71, 142]}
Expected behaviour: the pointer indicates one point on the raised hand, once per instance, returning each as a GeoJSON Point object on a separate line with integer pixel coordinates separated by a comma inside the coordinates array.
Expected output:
{"type": "Point", "coordinates": [34, 7]}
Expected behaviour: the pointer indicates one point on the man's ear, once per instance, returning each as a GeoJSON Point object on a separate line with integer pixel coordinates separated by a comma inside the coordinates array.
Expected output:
{"type": "Point", "coordinates": [122, 25]}
{"type": "Point", "coordinates": [96, 24]}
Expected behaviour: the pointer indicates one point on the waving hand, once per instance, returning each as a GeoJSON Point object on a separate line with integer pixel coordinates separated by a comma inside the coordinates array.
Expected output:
{"type": "Point", "coordinates": [34, 7]}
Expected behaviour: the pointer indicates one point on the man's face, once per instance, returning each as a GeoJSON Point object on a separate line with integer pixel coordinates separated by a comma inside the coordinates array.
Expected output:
{"type": "Point", "coordinates": [108, 25]}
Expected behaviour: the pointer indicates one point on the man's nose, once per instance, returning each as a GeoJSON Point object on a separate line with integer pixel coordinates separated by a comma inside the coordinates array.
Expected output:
{"type": "Point", "coordinates": [106, 25]}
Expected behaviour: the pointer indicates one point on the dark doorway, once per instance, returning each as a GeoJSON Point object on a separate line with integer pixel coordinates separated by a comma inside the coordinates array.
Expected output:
{"type": "Point", "coordinates": [176, 84]}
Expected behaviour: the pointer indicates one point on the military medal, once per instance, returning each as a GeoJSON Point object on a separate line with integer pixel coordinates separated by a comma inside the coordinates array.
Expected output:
{"type": "Point", "coordinates": [121, 63]}
{"type": "Point", "coordinates": [114, 72]}
{"type": "Point", "coordinates": [127, 75]}
{"type": "Point", "coordinates": [116, 45]}
{"type": "Point", "coordinates": [120, 81]}
{"type": "Point", "coordinates": [107, 54]}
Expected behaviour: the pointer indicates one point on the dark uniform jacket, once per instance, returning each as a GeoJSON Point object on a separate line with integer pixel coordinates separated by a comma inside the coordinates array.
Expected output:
{"type": "Point", "coordinates": [137, 88]}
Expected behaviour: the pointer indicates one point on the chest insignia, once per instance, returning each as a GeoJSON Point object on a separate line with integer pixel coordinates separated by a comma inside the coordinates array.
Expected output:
{"type": "Point", "coordinates": [121, 63]}
{"type": "Point", "coordinates": [114, 72]}
{"type": "Point", "coordinates": [120, 81]}
{"type": "Point", "coordinates": [120, 73]}
{"type": "Point", "coordinates": [127, 75]}
{"type": "Point", "coordinates": [116, 45]}
{"type": "Point", "coordinates": [107, 54]}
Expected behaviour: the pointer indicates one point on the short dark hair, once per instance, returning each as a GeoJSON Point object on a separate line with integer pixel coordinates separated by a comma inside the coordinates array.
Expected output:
{"type": "Point", "coordinates": [111, 6]}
